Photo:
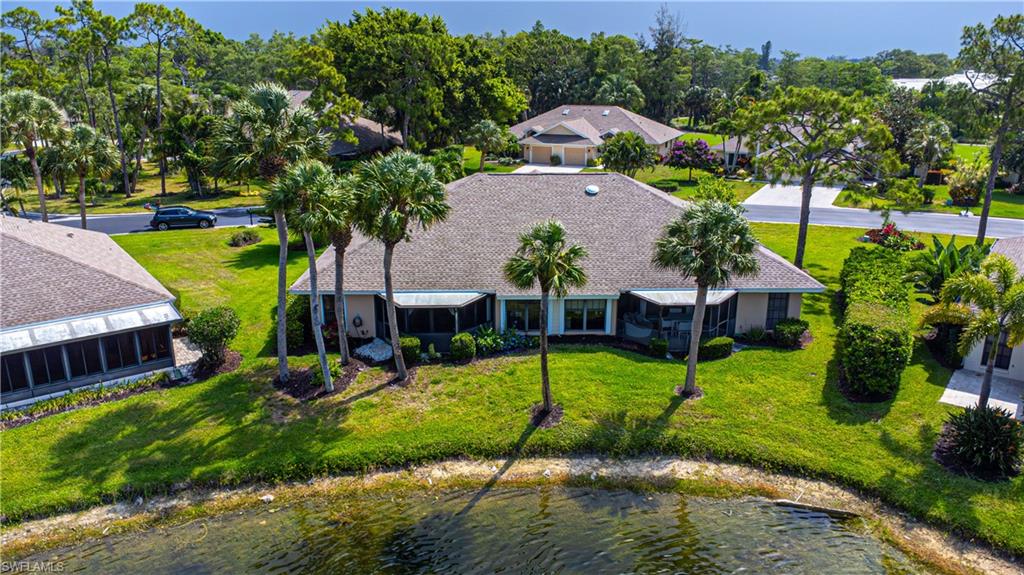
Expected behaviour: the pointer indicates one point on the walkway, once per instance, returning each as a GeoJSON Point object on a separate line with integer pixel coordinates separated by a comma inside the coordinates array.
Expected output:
{"type": "Point", "coordinates": [964, 386]}
{"type": "Point", "coordinates": [783, 195]}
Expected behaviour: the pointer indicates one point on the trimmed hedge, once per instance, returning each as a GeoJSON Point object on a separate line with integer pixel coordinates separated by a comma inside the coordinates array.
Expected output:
{"type": "Point", "coordinates": [789, 331]}
{"type": "Point", "coordinates": [411, 348]}
{"type": "Point", "coordinates": [875, 340]}
{"type": "Point", "coordinates": [658, 346]}
{"type": "Point", "coordinates": [463, 347]}
{"type": "Point", "coordinates": [715, 348]}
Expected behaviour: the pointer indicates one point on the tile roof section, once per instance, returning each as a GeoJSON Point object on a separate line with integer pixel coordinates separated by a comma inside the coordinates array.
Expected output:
{"type": "Point", "coordinates": [617, 118]}
{"type": "Point", "coordinates": [618, 227]}
{"type": "Point", "coordinates": [51, 272]}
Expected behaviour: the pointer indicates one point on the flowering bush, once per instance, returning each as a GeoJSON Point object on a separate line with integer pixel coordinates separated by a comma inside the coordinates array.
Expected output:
{"type": "Point", "coordinates": [894, 238]}
{"type": "Point", "coordinates": [691, 154]}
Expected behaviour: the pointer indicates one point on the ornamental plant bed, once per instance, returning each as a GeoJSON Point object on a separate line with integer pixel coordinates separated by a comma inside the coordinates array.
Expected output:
{"type": "Point", "coordinates": [944, 457]}
{"type": "Point", "coordinates": [892, 237]}
{"type": "Point", "coordinates": [300, 381]}
{"type": "Point", "coordinates": [203, 371]}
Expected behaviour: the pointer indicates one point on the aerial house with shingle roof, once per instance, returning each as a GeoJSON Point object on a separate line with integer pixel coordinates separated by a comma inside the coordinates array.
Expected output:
{"type": "Point", "coordinates": [449, 278]}
{"type": "Point", "coordinates": [75, 310]}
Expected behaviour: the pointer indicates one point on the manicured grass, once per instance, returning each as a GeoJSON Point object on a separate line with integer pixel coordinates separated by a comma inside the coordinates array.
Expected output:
{"type": "Point", "coordinates": [687, 186]}
{"type": "Point", "coordinates": [765, 406]}
{"type": "Point", "coordinates": [711, 139]}
{"type": "Point", "coordinates": [471, 162]}
{"type": "Point", "coordinates": [970, 151]}
{"type": "Point", "coordinates": [147, 191]}
{"type": "Point", "coordinates": [1004, 205]}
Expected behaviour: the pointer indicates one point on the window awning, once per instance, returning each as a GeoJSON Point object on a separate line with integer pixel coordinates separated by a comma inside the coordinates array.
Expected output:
{"type": "Point", "coordinates": [435, 299]}
{"type": "Point", "coordinates": [677, 298]}
{"type": "Point", "coordinates": [54, 332]}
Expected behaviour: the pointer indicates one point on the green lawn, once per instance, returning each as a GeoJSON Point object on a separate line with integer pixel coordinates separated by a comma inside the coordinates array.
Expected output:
{"type": "Point", "coordinates": [1004, 205]}
{"type": "Point", "coordinates": [970, 151]}
{"type": "Point", "coordinates": [711, 139]}
{"type": "Point", "coordinates": [147, 191]}
{"type": "Point", "coordinates": [686, 186]}
{"type": "Point", "coordinates": [471, 162]}
{"type": "Point", "coordinates": [764, 406]}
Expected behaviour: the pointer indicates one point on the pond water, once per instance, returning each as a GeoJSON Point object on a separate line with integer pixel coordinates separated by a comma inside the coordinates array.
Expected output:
{"type": "Point", "coordinates": [541, 530]}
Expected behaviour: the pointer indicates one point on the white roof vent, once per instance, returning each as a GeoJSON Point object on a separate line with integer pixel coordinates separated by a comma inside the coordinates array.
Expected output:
{"type": "Point", "coordinates": [565, 112]}
{"type": "Point", "coordinates": [606, 112]}
{"type": "Point", "coordinates": [592, 190]}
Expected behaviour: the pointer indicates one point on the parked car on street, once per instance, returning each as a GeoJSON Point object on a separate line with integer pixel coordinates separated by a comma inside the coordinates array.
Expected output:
{"type": "Point", "coordinates": [182, 217]}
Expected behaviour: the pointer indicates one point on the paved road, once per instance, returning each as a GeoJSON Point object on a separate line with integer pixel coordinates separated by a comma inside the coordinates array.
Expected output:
{"type": "Point", "coordinates": [139, 222]}
{"type": "Point", "coordinates": [916, 221]}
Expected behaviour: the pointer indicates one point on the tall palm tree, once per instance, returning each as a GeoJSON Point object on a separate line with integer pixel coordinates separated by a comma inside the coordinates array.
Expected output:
{"type": "Point", "coordinates": [930, 144]}
{"type": "Point", "coordinates": [546, 257]}
{"type": "Point", "coordinates": [88, 154]}
{"type": "Point", "coordinates": [989, 304]}
{"type": "Point", "coordinates": [28, 118]}
{"type": "Point", "coordinates": [486, 136]}
{"type": "Point", "coordinates": [261, 137]}
{"type": "Point", "coordinates": [309, 182]}
{"type": "Point", "coordinates": [396, 193]}
{"type": "Point", "coordinates": [618, 90]}
{"type": "Point", "coordinates": [710, 242]}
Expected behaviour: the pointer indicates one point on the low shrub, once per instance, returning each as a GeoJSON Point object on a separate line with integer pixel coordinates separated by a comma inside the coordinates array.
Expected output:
{"type": "Point", "coordinates": [411, 347]}
{"type": "Point", "coordinates": [593, 162]}
{"type": "Point", "coordinates": [943, 342]}
{"type": "Point", "coordinates": [84, 396]}
{"type": "Point", "coordinates": [875, 345]}
{"type": "Point", "coordinates": [463, 347]}
{"type": "Point", "coordinates": [245, 237]}
{"type": "Point", "coordinates": [756, 335]}
{"type": "Point", "coordinates": [658, 346]}
{"type": "Point", "coordinates": [431, 354]}
{"type": "Point", "coordinates": [789, 332]}
{"type": "Point", "coordinates": [318, 374]}
{"type": "Point", "coordinates": [297, 322]}
{"type": "Point", "coordinates": [212, 330]}
{"type": "Point", "coordinates": [488, 341]}
{"type": "Point", "coordinates": [928, 195]}
{"type": "Point", "coordinates": [667, 186]}
{"type": "Point", "coordinates": [556, 160]}
{"type": "Point", "coordinates": [982, 441]}
{"type": "Point", "coordinates": [715, 348]}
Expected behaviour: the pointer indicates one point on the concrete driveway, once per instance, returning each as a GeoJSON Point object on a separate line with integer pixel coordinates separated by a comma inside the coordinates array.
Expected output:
{"type": "Point", "coordinates": [781, 195]}
{"type": "Point", "coordinates": [964, 386]}
{"type": "Point", "coordinates": [547, 169]}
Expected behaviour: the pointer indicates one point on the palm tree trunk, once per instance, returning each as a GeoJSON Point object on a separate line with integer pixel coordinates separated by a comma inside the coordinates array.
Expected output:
{"type": "Point", "coordinates": [736, 153]}
{"type": "Point", "coordinates": [30, 151]}
{"type": "Point", "coordinates": [990, 366]}
{"type": "Point", "coordinates": [545, 381]}
{"type": "Point", "coordinates": [995, 157]}
{"type": "Point", "coordinates": [282, 295]}
{"type": "Point", "coordinates": [695, 331]}
{"type": "Point", "coordinates": [314, 312]}
{"type": "Point", "coordinates": [341, 242]}
{"type": "Point", "coordinates": [160, 118]}
{"type": "Point", "coordinates": [483, 153]}
{"type": "Point", "coordinates": [81, 198]}
{"type": "Point", "coordinates": [805, 217]}
{"type": "Point", "coordinates": [924, 175]}
{"type": "Point", "coordinates": [389, 291]}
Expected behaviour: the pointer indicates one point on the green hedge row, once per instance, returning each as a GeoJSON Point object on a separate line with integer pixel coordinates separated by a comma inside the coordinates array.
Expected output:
{"type": "Point", "coordinates": [875, 340]}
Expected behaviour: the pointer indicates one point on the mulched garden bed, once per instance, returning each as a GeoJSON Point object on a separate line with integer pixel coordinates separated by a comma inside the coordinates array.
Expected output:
{"type": "Point", "coordinates": [300, 381]}
{"type": "Point", "coordinates": [942, 454]}
{"type": "Point", "coordinates": [232, 360]}
{"type": "Point", "coordinates": [547, 420]}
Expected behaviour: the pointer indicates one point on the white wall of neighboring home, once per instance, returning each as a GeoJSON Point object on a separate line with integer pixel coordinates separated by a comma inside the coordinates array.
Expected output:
{"type": "Point", "coordinates": [974, 362]}
{"type": "Point", "coordinates": [752, 309]}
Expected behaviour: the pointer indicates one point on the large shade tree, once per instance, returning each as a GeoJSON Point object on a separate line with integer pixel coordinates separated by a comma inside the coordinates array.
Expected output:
{"type": "Point", "coordinates": [396, 194]}
{"type": "Point", "coordinates": [627, 153]}
{"type": "Point", "coordinates": [547, 259]}
{"type": "Point", "coordinates": [710, 242]}
{"type": "Point", "coordinates": [817, 136]}
{"type": "Point", "coordinates": [28, 118]}
{"type": "Point", "coordinates": [990, 306]}
{"type": "Point", "coordinates": [89, 154]}
{"type": "Point", "coordinates": [262, 137]}
{"type": "Point", "coordinates": [994, 60]}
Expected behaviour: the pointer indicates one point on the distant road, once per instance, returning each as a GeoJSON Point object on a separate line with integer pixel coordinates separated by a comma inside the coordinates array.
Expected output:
{"type": "Point", "coordinates": [915, 221]}
{"type": "Point", "coordinates": [139, 222]}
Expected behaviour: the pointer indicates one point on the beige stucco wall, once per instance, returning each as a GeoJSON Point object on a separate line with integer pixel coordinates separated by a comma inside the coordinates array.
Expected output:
{"type": "Point", "coordinates": [752, 310]}
{"type": "Point", "coordinates": [973, 362]}
{"type": "Point", "coordinates": [362, 306]}
{"type": "Point", "coordinates": [796, 300]}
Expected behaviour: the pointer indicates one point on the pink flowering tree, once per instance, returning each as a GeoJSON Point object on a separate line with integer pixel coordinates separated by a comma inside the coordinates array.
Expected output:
{"type": "Point", "coordinates": [691, 154]}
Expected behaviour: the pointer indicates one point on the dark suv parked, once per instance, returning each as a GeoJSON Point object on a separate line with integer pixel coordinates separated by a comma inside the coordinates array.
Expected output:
{"type": "Point", "coordinates": [180, 217]}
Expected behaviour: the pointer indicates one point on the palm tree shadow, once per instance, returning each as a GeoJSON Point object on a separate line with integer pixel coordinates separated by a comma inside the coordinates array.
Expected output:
{"type": "Point", "coordinates": [517, 450]}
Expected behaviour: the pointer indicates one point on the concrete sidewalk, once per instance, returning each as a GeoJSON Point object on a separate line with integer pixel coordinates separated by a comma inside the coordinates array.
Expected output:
{"type": "Point", "coordinates": [783, 195]}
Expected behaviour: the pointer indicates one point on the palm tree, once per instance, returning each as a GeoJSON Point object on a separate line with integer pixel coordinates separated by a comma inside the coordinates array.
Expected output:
{"type": "Point", "coordinates": [396, 193]}
{"type": "Point", "coordinates": [710, 242]}
{"type": "Point", "coordinates": [930, 144]}
{"type": "Point", "coordinates": [627, 153]}
{"type": "Point", "coordinates": [261, 137]}
{"type": "Point", "coordinates": [309, 182]}
{"type": "Point", "coordinates": [333, 219]}
{"type": "Point", "coordinates": [28, 118]}
{"type": "Point", "coordinates": [88, 154]}
{"type": "Point", "coordinates": [486, 135]}
{"type": "Point", "coordinates": [618, 90]}
{"type": "Point", "coordinates": [989, 304]}
{"type": "Point", "coordinates": [545, 257]}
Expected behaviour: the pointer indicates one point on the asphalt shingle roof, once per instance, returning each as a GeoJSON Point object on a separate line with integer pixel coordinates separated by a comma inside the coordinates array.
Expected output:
{"type": "Point", "coordinates": [618, 227]}
{"type": "Point", "coordinates": [1013, 248]}
{"type": "Point", "coordinates": [579, 117]}
{"type": "Point", "coordinates": [51, 272]}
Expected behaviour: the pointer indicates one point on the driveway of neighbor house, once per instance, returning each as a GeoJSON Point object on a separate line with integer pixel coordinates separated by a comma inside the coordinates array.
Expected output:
{"type": "Point", "coordinates": [547, 169]}
{"type": "Point", "coordinates": [780, 195]}
{"type": "Point", "coordinates": [964, 386]}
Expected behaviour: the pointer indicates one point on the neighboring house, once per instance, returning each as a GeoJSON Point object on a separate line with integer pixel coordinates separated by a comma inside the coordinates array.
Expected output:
{"type": "Point", "coordinates": [371, 137]}
{"type": "Point", "coordinates": [449, 278]}
{"type": "Point", "coordinates": [1010, 360]}
{"type": "Point", "coordinates": [981, 81]}
{"type": "Point", "coordinates": [77, 310]}
{"type": "Point", "coordinates": [731, 154]}
{"type": "Point", "coordinates": [574, 132]}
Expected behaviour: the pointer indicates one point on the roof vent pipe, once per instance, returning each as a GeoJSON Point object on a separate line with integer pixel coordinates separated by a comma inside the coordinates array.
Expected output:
{"type": "Point", "coordinates": [592, 190]}
{"type": "Point", "coordinates": [565, 112]}
{"type": "Point", "coordinates": [606, 112]}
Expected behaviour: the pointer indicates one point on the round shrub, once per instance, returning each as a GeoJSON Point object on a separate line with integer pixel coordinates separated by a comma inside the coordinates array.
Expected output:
{"type": "Point", "coordinates": [715, 348]}
{"type": "Point", "coordinates": [658, 346]}
{"type": "Point", "coordinates": [463, 347]}
{"type": "Point", "coordinates": [789, 331]}
{"type": "Point", "coordinates": [410, 347]}
{"type": "Point", "coordinates": [245, 237]}
{"type": "Point", "coordinates": [983, 441]}
{"type": "Point", "coordinates": [212, 329]}
{"type": "Point", "coordinates": [556, 160]}
{"type": "Point", "coordinates": [488, 341]}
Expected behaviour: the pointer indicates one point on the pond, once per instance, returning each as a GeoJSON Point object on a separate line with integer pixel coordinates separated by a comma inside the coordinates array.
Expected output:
{"type": "Point", "coordinates": [515, 530]}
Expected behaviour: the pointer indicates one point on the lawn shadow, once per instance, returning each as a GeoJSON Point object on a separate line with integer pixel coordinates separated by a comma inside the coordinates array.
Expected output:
{"type": "Point", "coordinates": [517, 450]}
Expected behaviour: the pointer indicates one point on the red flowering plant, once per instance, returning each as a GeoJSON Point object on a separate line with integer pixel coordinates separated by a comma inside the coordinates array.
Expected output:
{"type": "Point", "coordinates": [891, 237]}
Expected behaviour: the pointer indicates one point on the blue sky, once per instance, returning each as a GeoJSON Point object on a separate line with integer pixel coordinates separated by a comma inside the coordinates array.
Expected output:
{"type": "Point", "coordinates": [824, 28]}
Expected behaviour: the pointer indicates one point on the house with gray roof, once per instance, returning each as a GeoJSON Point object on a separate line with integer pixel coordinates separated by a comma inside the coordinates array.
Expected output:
{"type": "Point", "coordinates": [449, 278]}
{"type": "Point", "coordinates": [1009, 360]}
{"type": "Point", "coordinates": [76, 310]}
{"type": "Point", "coordinates": [574, 132]}
{"type": "Point", "coordinates": [370, 136]}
